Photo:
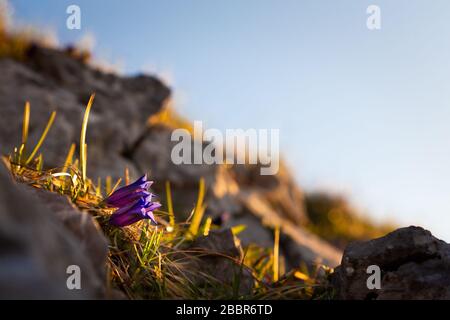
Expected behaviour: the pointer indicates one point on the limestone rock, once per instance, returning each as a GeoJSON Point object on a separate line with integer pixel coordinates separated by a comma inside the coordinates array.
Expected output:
{"type": "Point", "coordinates": [39, 239]}
{"type": "Point", "coordinates": [414, 265]}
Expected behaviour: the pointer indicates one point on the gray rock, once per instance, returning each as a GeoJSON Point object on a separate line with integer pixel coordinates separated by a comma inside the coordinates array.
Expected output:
{"type": "Point", "coordinates": [41, 237]}
{"type": "Point", "coordinates": [413, 263]}
{"type": "Point", "coordinates": [81, 225]}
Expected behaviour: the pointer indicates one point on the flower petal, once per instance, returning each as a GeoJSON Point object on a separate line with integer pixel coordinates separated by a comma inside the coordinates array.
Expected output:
{"type": "Point", "coordinates": [124, 219]}
{"type": "Point", "coordinates": [128, 198]}
{"type": "Point", "coordinates": [140, 184]}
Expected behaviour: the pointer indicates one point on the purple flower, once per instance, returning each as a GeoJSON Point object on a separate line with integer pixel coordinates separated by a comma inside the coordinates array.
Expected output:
{"type": "Point", "coordinates": [129, 193]}
{"type": "Point", "coordinates": [134, 203]}
{"type": "Point", "coordinates": [141, 209]}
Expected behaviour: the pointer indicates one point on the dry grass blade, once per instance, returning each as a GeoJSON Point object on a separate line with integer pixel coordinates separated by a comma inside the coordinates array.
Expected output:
{"type": "Point", "coordinates": [127, 176]}
{"type": "Point", "coordinates": [198, 211]}
{"type": "Point", "coordinates": [276, 254]}
{"type": "Point", "coordinates": [207, 226]}
{"type": "Point", "coordinates": [116, 185]}
{"type": "Point", "coordinates": [108, 187]}
{"type": "Point", "coordinates": [43, 136]}
{"type": "Point", "coordinates": [83, 152]}
{"type": "Point", "coordinates": [69, 157]}
{"type": "Point", "coordinates": [26, 123]}
{"type": "Point", "coordinates": [170, 205]}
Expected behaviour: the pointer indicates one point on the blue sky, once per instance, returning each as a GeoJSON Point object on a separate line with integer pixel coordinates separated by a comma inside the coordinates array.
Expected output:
{"type": "Point", "coordinates": [362, 112]}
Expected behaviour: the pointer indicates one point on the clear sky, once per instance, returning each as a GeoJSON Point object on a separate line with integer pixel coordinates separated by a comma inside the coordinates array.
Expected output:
{"type": "Point", "coordinates": [362, 112]}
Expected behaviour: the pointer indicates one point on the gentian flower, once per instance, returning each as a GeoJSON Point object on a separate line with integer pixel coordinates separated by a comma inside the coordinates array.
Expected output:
{"type": "Point", "coordinates": [133, 191]}
{"type": "Point", "coordinates": [134, 203]}
{"type": "Point", "coordinates": [134, 212]}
